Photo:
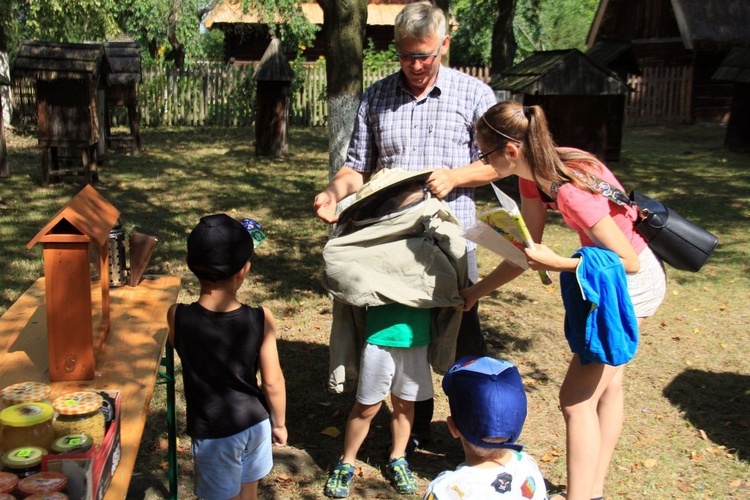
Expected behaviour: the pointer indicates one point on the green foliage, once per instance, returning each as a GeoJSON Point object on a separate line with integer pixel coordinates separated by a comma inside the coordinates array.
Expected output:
{"type": "Point", "coordinates": [471, 43]}
{"type": "Point", "coordinates": [537, 24]}
{"type": "Point", "coordinates": [374, 58]}
{"type": "Point", "coordinates": [552, 24]}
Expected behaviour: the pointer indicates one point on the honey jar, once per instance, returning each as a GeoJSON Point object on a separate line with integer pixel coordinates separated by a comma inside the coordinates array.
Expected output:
{"type": "Point", "coordinates": [8, 482]}
{"type": "Point", "coordinates": [26, 424]}
{"type": "Point", "coordinates": [72, 443]}
{"type": "Point", "coordinates": [23, 461]}
{"type": "Point", "coordinates": [43, 483]}
{"type": "Point", "coordinates": [80, 413]}
{"type": "Point", "coordinates": [25, 392]}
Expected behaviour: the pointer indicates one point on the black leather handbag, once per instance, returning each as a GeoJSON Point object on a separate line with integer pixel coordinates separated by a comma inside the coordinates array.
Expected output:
{"type": "Point", "coordinates": [680, 243]}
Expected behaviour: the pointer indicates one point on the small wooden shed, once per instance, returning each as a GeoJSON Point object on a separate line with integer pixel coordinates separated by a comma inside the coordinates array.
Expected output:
{"type": "Point", "coordinates": [67, 77]}
{"type": "Point", "coordinates": [273, 76]}
{"type": "Point", "coordinates": [73, 342]}
{"type": "Point", "coordinates": [120, 89]}
{"type": "Point", "coordinates": [4, 170]}
{"type": "Point", "coordinates": [584, 102]}
{"type": "Point", "coordinates": [735, 68]}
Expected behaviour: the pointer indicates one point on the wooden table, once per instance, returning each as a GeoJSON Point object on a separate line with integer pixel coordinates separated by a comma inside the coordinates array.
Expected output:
{"type": "Point", "coordinates": [129, 360]}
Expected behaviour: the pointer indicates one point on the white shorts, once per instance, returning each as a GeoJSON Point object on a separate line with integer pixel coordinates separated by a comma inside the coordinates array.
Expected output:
{"type": "Point", "coordinates": [648, 286]}
{"type": "Point", "coordinates": [404, 372]}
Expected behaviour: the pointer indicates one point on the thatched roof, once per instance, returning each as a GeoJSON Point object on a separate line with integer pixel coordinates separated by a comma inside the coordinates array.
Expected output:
{"type": "Point", "coordinates": [735, 67]}
{"type": "Point", "coordinates": [559, 72]}
{"type": "Point", "coordinates": [231, 12]}
{"type": "Point", "coordinates": [51, 61]}
{"type": "Point", "coordinates": [695, 22]}
{"type": "Point", "coordinates": [274, 66]}
{"type": "Point", "coordinates": [124, 61]}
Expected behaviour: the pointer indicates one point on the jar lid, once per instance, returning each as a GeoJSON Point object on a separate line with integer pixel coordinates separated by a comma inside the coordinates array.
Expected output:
{"type": "Point", "coordinates": [72, 443]}
{"type": "Point", "coordinates": [43, 482]}
{"type": "Point", "coordinates": [56, 495]}
{"type": "Point", "coordinates": [24, 392]}
{"type": "Point", "coordinates": [23, 457]}
{"type": "Point", "coordinates": [8, 482]}
{"type": "Point", "coordinates": [26, 414]}
{"type": "Point", "coordinates": [77, 403]}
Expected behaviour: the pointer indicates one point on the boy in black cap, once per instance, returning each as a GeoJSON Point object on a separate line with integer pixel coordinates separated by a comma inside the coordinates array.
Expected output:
{"type": "Point", "coordinates": [222, 344]}
{"type": "Point", "coordinates": [488, 409]}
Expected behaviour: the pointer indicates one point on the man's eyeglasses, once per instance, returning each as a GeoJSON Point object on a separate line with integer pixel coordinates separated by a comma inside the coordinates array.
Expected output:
{"type": "Point", "coordinates": [485, 157]}
{"type": "Point", "coordinates": [424, 58]}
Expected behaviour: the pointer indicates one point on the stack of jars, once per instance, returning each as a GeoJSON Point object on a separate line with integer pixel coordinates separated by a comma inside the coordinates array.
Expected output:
{"type": "Point", "coordinates": [31, 426]}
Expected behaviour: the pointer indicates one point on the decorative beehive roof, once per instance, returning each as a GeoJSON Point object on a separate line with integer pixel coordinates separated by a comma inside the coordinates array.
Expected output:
{"type": "Point", "coordinates": [735, 67]}
{"type": "Point", "coordinates": [559, 72]}
{"type": "Point", "coordinates": [274, 66]}
{"type": "Point", "coordinates": [124, 60]}
{"type": "Point", "coordinates": [51, 61]}
{"type": "Point", "coordinates": [88, 213]}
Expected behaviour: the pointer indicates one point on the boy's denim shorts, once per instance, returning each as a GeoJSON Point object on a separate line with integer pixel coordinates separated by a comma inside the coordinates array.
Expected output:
{"type": "Point", "coordinates": [222, 465]}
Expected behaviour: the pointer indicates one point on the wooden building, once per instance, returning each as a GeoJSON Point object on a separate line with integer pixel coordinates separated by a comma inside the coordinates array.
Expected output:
{"type": "Point", "coordinates": [583, 101]}
{"type": "Point", "coordinates": [120, 89]}
{"type": "Point", "coordinates": [246, 36]}
{"type": "Point", "coordinates": [735, 68]}
{"type": "Point", "coordinates": [67, 78]}
{"type": "Point", "coordinates": [679, 45]}
{"type": "Point", "coordinates": [4, 170]}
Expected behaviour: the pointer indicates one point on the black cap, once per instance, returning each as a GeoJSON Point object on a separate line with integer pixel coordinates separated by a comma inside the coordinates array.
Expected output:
{"type": "Point", "coordinates": [218, 247]}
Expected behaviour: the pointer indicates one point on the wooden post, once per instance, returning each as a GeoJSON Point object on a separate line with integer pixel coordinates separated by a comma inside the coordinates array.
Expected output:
{"type": "Point", "coordinates": [4, 171]}
{"type": "Point", "coordinates": [273, 77]}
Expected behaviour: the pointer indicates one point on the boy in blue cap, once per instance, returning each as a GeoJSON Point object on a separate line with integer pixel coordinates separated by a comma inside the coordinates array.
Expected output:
{"type": "Point", "coordinates": [488, 408]}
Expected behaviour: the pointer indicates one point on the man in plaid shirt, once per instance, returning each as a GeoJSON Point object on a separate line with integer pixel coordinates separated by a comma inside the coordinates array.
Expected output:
{"type": "Point", "coordinates": [421, 117]}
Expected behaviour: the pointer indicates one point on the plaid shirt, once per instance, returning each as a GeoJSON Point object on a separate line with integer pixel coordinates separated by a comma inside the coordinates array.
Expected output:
{"type": "Point", "coordinates": [395, 130]}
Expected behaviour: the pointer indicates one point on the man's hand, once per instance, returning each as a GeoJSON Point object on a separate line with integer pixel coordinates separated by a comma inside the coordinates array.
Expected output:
{"type": "Point", "coordinates": [325, 207]}
{"type": "Point", "coordinates": [441, 182]}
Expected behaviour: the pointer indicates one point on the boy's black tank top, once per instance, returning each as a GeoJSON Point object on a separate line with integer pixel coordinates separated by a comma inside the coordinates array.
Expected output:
{"type": "Point", "coordinates": [219, 353]}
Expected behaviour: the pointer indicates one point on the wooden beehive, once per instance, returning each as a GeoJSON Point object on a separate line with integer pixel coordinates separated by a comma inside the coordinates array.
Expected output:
{"type": "Point", "coordinates": [73, 341]}
{"type": "Point", "coordinates": [120, 89]}
{"type": "Point", "coordinates": [67, 78]}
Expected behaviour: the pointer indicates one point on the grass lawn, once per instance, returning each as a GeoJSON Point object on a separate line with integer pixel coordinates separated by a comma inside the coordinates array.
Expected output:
{"type": "Point", "coordinates": [687, 426]}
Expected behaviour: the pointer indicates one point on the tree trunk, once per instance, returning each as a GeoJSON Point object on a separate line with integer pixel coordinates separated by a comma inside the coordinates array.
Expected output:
{"type": "Point", "coordinates": [178, 50]}
{"type": "Point", "coordinates": [503, 40]}
{"type": "Point", "coordinates": [344, 23]}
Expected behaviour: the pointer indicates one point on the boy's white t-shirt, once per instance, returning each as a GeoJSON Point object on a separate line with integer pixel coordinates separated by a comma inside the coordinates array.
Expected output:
{"type": "Point", "coordinates": [518, 479]}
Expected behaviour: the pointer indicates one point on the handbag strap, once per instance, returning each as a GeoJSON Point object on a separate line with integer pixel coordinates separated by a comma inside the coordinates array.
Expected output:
{"type": "Point", "coordinates": [613, 194]}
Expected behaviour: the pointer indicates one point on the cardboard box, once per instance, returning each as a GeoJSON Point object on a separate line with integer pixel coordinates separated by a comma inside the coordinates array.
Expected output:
{"type": "Point", "coordinates": [90, 473]}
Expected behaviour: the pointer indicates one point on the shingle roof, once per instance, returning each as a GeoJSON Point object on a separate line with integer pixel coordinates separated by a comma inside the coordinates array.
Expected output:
{"type": "Point", "coordinates": [559, 72]}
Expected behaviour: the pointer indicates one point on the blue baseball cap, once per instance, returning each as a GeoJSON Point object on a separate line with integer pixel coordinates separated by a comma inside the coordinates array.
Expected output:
{"type": "Point", "coordinates": [487, 401]}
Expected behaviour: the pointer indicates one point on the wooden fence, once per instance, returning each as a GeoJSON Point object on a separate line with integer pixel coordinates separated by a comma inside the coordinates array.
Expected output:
{"type": "Point", "coordinates": [217, 95]}
{"type": "Point", "coordinates": [223, 95]}
{"type": "Point", "coordinates": [662, 95]}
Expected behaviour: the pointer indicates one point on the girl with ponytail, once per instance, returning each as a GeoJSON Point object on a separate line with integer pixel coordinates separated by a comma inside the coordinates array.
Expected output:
{"type": "Point", "coordinates": [515, 140]}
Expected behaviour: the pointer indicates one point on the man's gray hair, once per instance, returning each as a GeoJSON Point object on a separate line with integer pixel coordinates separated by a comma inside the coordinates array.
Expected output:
{"type": "Point", "coordinates": [419, 20]}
